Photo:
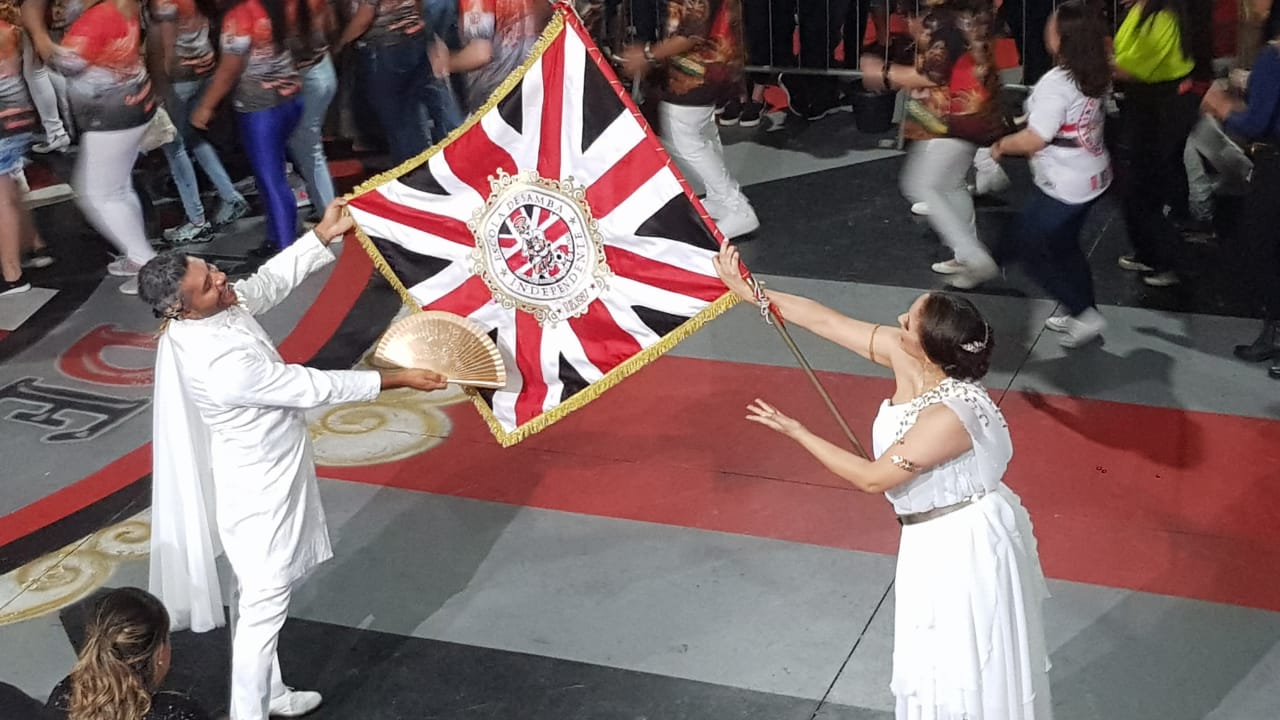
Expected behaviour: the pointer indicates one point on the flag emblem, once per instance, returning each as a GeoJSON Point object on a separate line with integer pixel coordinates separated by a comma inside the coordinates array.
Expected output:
{"type": "Point", "coordinates": [538, 248]}
{"type": "Point", "coordinates": [554, 219]}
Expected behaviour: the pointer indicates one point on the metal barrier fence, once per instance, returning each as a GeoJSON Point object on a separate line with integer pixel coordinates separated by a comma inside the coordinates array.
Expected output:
{"type": "Point", "coordinates": [771, 29]}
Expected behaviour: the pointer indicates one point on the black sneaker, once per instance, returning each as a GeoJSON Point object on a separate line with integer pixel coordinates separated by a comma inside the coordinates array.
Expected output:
{"type": "Point", "coordinates": [37, 260]}
{"type": "Point", "coordinates": [731, 114]}
{"type": "Point", "coordinates": [751, 113]}
{"type": "Point", "coordinates": [14, 287]}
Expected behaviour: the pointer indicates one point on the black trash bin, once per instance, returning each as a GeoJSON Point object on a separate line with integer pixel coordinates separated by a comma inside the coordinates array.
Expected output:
{"type": "Point", "coordinates": [873, 111]}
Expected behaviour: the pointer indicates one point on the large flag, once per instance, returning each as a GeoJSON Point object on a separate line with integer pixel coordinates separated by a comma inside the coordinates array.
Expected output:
{"type": "Point", "coordinates": [553, 218]}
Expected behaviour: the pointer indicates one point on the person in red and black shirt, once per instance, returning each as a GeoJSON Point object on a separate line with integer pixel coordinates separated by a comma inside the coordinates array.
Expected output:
{"type": "Point", "coordinates": [702, 61]}
{"type": "Point", "coordinates": [112, 101]}
{"type": "Point", "coordinates": [258, 69]}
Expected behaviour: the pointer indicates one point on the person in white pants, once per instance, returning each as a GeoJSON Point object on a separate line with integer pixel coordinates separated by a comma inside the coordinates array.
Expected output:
{"type": "Point", "coordinates": [232, 452]}
{"type": "Point", "coordinates": [953, 110]}
{"type": "Point", "coordinates": [989, 178]}
{"type": "Point", "coordinates": [698, 73]}
{"type": "Point", "coordinates": [45, 96]}
{"type": "Point", "coordinates": [113, 103]}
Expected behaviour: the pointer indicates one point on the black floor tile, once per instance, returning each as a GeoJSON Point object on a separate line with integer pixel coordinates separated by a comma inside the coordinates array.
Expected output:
{"type": "Point", "coordinates": [852, 224]}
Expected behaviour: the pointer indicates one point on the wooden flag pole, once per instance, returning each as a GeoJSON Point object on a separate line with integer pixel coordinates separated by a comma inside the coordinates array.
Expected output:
{"type": "Point", "coordinates": [771, 317]}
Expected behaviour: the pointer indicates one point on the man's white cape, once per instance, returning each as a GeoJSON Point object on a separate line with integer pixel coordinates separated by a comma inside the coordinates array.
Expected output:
{"type": "Point", "coordinates": [184, 536]}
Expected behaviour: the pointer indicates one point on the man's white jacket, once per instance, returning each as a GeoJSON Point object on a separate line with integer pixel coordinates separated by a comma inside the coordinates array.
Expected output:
{"type": "Point", "coordinates": [231, 450]}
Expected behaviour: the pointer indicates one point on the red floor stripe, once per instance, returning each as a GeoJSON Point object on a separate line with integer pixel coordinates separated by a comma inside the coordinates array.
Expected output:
{"type": "Point", "coordinates": [317, 325]}
{"type": "Point", "coordinates": [1114, 502]}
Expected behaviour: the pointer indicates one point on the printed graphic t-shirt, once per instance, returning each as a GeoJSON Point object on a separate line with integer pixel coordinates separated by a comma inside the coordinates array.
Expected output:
{"type": "Point", "coordinates": [193, 48]}
{"type": "Point", "coordinates": [1075, 167]}
{"type": "Point", "coordinates": [100, 55]}
{"type": "Point", "coordinates": [955, 54]}
{"type": "Point", "coordinates": [513, 26]}
{"type": "Point", "coordinates": [17, 114]}
{"type": "Point", "coordinates": [269, 77]}
{"type": "Point", "coordinates": [308, 54]}
{"type": "Point", "coordinates": [712, 70]}
{"type": "Point", "coordinates": [394, 21]}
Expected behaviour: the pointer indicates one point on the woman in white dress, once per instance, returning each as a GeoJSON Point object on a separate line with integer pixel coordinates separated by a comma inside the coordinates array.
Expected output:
{"type": "Point", "coordinates": [968, 636]}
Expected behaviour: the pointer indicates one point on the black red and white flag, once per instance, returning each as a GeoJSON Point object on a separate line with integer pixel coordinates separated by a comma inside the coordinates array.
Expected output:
{"type": "Point", "coordinates": [554, 219]}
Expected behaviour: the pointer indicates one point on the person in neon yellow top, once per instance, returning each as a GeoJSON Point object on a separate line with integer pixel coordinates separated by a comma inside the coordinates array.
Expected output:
{"type": "Point", "coordinates": [1155, 51]}
{"type": "Point", "coordinates": [1150, 46]}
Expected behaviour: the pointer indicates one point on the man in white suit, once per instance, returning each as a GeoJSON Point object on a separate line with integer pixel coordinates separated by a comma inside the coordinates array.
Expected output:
{"type": "Point", "coordinates": [232, 451]}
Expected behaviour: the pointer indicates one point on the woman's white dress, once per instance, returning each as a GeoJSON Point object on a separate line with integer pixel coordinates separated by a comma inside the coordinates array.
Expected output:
{"type": "Point", "coordinates": [968, 636]}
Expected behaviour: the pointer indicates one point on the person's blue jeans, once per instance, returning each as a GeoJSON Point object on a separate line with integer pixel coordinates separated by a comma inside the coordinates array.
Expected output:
{"type": "Point", "coordinates": [178, 104]}
{"type": "Point", "coordinates": [400, 86]}
{"type": "Point", "coordinates": [265, 135]}
{"type": "Point", "coordinates": [441, 19]}
{"type": "Point", "coordinates": [306, 144]}
{"type": "Point", "coordinates": [1045, 239]}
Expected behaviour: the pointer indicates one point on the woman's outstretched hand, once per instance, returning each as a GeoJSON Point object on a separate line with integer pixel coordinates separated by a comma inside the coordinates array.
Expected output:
{"type": "Point", "coordinates": [729, 268]}
{"type": "Point", "coordinates": [767, 415]}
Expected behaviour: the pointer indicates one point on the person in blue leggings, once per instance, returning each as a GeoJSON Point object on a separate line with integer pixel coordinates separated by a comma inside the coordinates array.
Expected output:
{"type": "Point", "coordinates": [258, 65]}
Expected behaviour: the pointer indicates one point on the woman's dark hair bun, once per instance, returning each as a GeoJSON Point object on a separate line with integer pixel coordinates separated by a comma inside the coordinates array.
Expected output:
{"type": "Point", "coordinates": [954, 335]}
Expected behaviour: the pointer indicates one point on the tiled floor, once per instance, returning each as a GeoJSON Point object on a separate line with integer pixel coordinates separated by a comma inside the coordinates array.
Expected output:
{"type": "Point", "coordinates": [655, 556]}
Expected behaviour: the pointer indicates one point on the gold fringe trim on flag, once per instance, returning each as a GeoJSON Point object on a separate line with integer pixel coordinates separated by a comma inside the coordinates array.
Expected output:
{"type": "Point", "coordinates": [619, 373]}
{"type": "Point", "coordinates": [380, 262]}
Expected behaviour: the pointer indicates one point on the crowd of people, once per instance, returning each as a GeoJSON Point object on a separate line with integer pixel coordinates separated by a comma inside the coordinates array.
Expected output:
{"type": "Point", "coordinates": [969, 640]}
{"type": "Point", "coordinates": [135, 75]}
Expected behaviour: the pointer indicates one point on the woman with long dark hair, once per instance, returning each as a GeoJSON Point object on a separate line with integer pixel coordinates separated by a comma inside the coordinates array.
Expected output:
{"type": "Point", "coordinates": [259, 66]}
{"type": "Point", "coordinates": [124, 660]}
{"type": "Point", "coordinates": [1155, 54]}
{"type": "Point", "coordinates": [968, 640]}
{"type": "Point", "coordinates": [1071, 167]}
{"type": "Point", "coordinates": [112, 100]}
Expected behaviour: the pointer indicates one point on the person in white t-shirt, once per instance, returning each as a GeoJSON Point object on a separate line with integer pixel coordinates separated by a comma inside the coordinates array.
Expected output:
{"type": "Point", "coordinates": [1071, 167]}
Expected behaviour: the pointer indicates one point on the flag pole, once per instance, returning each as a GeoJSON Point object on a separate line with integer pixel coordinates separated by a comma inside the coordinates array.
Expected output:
{"type": "Point", "coordinates": [770, 315]}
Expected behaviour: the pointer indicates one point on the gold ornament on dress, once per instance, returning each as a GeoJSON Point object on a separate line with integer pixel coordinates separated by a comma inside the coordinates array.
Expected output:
{"type": "Point", "coordinates": [445, 343]}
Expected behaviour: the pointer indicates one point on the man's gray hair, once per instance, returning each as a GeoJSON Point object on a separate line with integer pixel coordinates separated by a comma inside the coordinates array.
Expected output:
{"type": "Point", "coordinates": [159, 283]}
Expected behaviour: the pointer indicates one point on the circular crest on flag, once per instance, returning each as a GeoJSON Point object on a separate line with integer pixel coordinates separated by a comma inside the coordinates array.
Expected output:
{"type": "Point", "coordinates": [537, 246]}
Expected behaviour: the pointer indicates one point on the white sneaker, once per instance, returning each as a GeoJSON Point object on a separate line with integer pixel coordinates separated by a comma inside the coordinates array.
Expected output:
{"type": "Point", "coordinates": [1083, 329]}
{"type": "Point", "coordinates": [295, 703]}
{"type": "Point", "coordinates": [974, 275]}
{"type": "Point", "coordinates": [948, 267]}
{"type": "Point", "coordinates": [920, 208]}
{"type": "Point", "coordinates": [130, 286]}
{"type": "Point", "coordinates": [1058, 323]}
{"type": "Point", "coordinates": [123, 267]}
{"type": "Point", "coordinates": [1168, 278]}
{"type": "Point", "coordinates": [738, 221]}
{"type": "Point", "coordinates": [989, 183]}
{"type": "Point", "coordinates": [58, 143]}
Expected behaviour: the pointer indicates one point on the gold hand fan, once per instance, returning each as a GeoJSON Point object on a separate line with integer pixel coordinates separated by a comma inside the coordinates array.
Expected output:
{"type": "Point", "coordinates": [445, 343]}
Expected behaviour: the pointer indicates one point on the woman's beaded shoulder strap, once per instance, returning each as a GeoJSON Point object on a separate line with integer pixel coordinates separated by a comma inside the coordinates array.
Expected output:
{"type": "Point", "coordinates": [984, 409]}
